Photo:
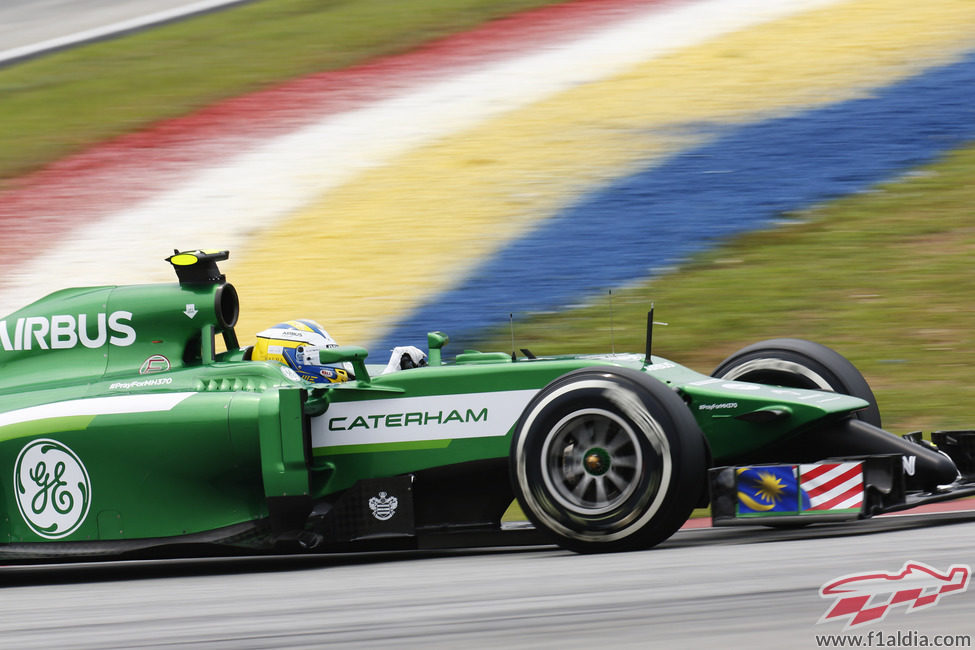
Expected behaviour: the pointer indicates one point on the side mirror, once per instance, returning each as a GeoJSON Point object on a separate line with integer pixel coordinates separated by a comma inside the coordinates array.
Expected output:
{"type": "Point", "coordinates": [354, 354]}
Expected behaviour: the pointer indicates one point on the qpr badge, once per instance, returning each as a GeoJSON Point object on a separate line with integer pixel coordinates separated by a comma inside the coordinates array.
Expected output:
{"type": "Point", "coordinates": [383, 506]}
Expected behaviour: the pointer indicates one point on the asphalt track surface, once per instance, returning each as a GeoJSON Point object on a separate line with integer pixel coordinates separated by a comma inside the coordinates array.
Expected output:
{"type": "Point", "coordinates": [33, 27]}
{"type": "Point", "coordinates": [732, 588]}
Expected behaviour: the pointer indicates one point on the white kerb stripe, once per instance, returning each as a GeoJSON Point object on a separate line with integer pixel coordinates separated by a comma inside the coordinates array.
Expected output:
{"type": "Point", "coordinates": [272, 180]}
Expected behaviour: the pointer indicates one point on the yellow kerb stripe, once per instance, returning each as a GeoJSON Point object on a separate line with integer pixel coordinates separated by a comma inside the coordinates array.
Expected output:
{"type": "Point", "coordinates": [399, 234]}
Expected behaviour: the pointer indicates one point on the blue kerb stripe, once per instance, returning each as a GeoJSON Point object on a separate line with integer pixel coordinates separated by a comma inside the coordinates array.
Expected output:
{"type": "Point", "coordinates": [742, 181]}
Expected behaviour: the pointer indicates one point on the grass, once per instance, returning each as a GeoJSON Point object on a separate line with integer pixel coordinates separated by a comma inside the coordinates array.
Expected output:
{"type": "Point", "coordinates": [884, 277]}
{"type": "Point", "coordinates": [61, 103]}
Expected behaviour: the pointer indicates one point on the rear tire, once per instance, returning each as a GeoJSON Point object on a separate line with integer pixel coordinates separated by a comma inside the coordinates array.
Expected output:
{"type": "Point", "coordinates": [608, 459]}
{"type": "Point", "coordinates": [797, 363]}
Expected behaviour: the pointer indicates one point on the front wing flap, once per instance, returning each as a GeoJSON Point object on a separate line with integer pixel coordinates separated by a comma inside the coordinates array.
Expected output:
{"type": "Point", "coordinates": [825, 491]}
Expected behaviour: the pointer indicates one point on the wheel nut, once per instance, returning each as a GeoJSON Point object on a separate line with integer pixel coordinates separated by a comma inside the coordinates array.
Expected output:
{"type": "Point", "coordinates": [596, 461]}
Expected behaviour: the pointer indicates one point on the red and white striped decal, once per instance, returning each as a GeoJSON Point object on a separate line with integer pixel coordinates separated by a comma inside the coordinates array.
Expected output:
{"type": "Point", "coordinates": [832, 486]}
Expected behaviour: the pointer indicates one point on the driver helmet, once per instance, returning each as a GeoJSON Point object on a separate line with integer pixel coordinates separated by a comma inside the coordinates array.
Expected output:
{"type": "Point", "coordinates": [285, 343]}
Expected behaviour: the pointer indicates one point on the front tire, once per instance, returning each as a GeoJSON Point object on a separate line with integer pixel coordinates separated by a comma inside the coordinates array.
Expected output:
{"type": "Point", "coordinates": [797, 363]}
{"type": "Point", "coordinates": [608, 459]}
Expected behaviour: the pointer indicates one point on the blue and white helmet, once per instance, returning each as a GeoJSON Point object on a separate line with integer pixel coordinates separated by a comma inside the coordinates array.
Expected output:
{"type": "Point", "coordinates": [285, 343]}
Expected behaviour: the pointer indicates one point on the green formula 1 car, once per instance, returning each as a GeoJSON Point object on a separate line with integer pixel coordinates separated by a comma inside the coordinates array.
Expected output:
{"type": "Point", "coordinates": [126, 431]}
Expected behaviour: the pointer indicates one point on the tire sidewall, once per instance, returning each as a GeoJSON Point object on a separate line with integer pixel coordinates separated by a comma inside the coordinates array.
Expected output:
{"type": "Point", "coordinates": [824, 364]}
{"type": "Point", "coordinates": [663, 432]}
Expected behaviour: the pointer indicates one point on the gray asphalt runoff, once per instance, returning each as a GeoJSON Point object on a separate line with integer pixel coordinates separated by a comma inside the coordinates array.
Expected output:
{"type": "Point", "coordinates": [723, 588]}
{"type": "Point", "coordinates": [30, 28]}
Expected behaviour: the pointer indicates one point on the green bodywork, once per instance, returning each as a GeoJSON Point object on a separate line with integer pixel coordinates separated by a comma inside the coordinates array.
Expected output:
{"type": "Point", "coordinates": [171, 438]}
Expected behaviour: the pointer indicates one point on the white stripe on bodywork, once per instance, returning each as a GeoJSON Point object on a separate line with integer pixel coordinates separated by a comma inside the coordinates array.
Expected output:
{"type": "Point", "coordinates": [410, 419]}
{"type": "Point", "coordinates": [114, 405]}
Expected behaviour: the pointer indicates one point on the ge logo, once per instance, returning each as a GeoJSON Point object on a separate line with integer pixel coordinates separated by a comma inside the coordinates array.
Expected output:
{"type": "Point", "coordinates": [52, 487]}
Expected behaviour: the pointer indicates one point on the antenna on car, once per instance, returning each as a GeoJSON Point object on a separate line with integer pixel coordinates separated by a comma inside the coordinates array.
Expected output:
{"type": "Point", "coordinates": [511, 324]}
{"type": "Point", "coordinates": [650, 324]}
{"type": "Point", "coordinates": [612, 328]}
{"type": "Point", "coordinates": [649, 334]}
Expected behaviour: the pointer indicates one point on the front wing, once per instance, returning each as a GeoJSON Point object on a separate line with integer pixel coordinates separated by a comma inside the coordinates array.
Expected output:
{"type": "Point", "coordinates": [834, 489]}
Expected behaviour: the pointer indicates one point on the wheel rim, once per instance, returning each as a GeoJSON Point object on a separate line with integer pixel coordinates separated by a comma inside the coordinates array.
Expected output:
{"type": "Point", "coordinates": [592, 462]}
{"type": "Point", "coordinates": [778, 372]}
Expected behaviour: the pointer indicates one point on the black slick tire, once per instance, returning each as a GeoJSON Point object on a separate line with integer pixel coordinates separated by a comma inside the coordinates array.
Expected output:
{"type": "Point", "coordinates": [797, 363]}
{"type": "Point", "coordinates": [608, 459]}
